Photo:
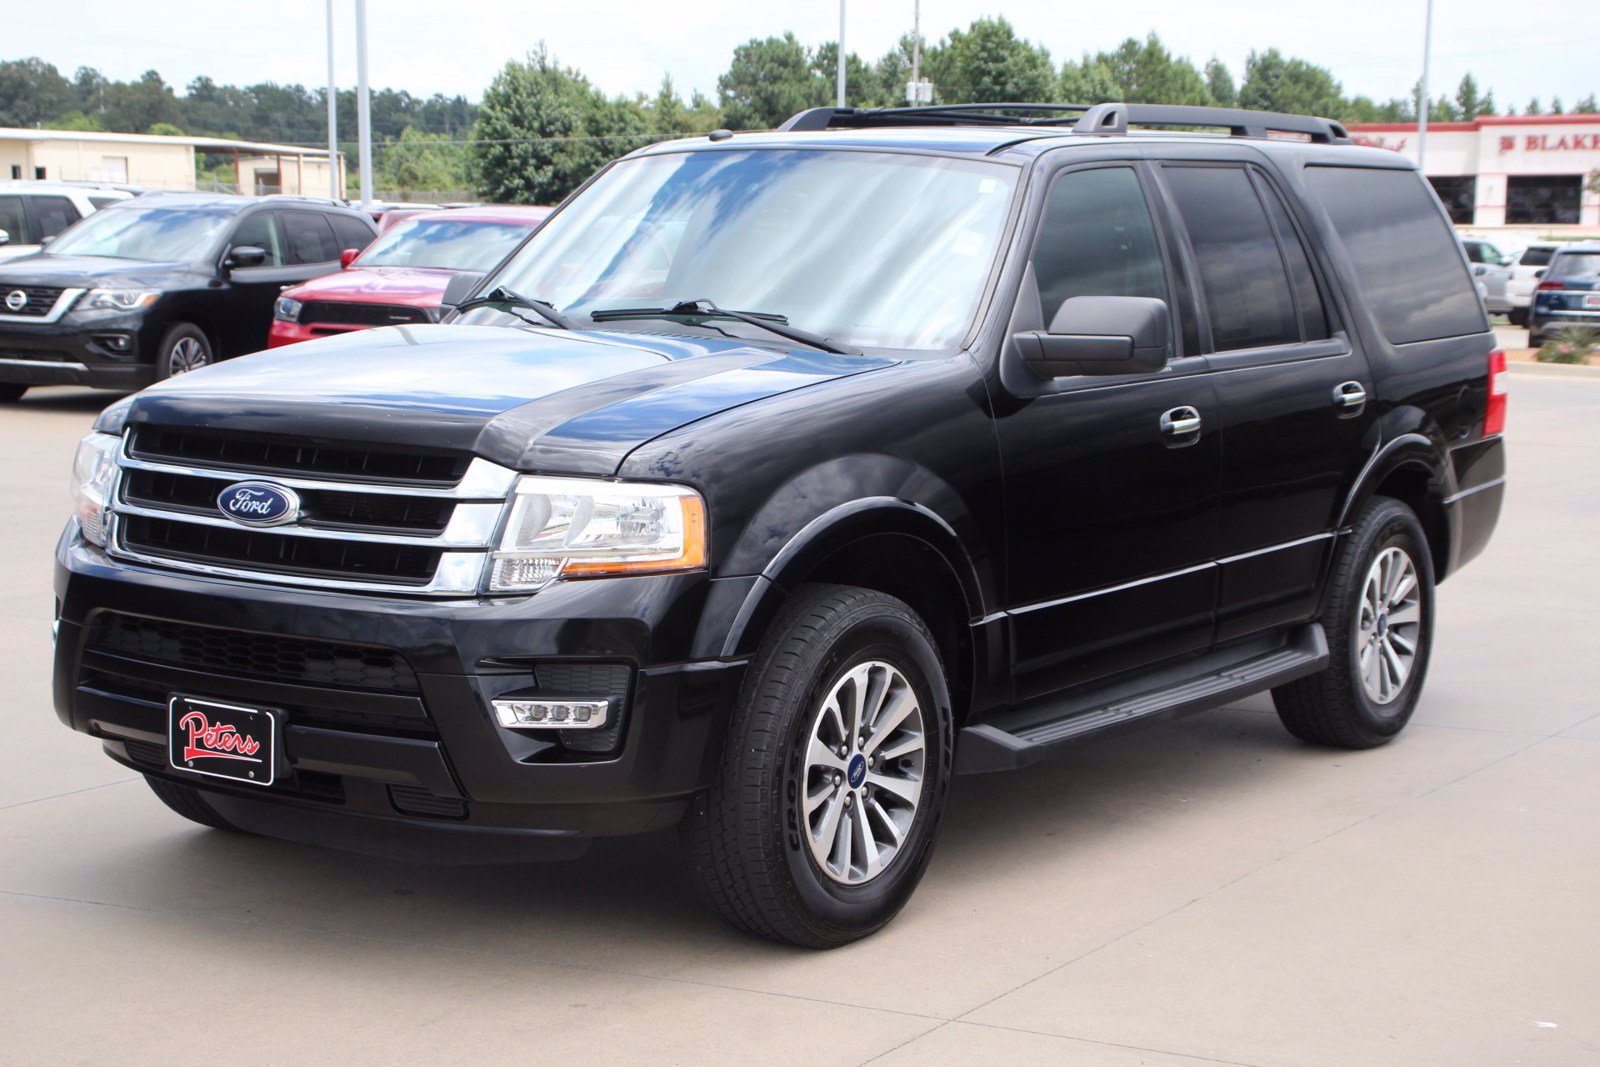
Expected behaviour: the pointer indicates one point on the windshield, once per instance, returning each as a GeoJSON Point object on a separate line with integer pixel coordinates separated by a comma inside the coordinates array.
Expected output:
{"type": "Point", "coordinates": [158, 234]}
{"type": "Point", "coordinates": [451, 244]}
{"type": "Point", "coordinates": [1578, 266]}
{"type": "Point", "coordinates": [864, 248]}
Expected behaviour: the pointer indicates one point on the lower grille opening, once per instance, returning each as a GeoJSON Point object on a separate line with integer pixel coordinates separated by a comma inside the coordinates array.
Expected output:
{"type": "Point", "coordinates": [260, 551]}
{"type": "Point", "coordinates": [414, 800]}
{"type": "Point", "coordinates": [311, 785]}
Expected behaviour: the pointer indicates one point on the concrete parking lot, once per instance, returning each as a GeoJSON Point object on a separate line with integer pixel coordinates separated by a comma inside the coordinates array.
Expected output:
{"type": "Point", "coordinates": [1207, 890]}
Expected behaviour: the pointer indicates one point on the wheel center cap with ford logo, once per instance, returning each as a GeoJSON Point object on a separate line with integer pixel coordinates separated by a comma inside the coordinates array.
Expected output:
{"type": "Point", "coordinates": [259, 503]}
{"type": "Point", "coordinates": [856, 771]}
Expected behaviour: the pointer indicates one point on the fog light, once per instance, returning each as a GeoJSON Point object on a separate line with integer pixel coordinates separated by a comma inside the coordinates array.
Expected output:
{"type": "Point", "coordinates": [552, 714]}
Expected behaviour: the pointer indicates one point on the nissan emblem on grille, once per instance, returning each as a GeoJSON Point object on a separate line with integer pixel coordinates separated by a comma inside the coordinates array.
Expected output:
{"type": "Point", "coordinates": [259, 503]}
{"type": "Point", "coordinates": [16, 300]}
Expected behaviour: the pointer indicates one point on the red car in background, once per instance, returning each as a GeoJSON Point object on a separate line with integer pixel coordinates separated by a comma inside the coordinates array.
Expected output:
{"type": "Point", "coordinates": [401, 276]}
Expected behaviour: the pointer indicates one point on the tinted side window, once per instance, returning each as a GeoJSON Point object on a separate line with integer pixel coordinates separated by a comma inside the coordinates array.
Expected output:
{"type": "Point", "coordinates": [1241, 272]}
{"type": "Point", "coordinates": [54, 213]}
{"type": "Point", "coordinates": [309, 238]}
{"type": "Point", "coordinates": [104, 201]}
{"type": "Point", "coordinates": [1097, 239]}
{"type": "Point", "coordinates": [1307, 297]}
{"type": "Point", "coordinates": [1404, 254]}
{"type": "Point", "coordinates": [13, 220]}
{"type": "Point", "coordinates": [261, 230]}
{"type": "Point", "coordinates": [1536, 257]}
{"type": "Point", "coordinates": [351, 233]}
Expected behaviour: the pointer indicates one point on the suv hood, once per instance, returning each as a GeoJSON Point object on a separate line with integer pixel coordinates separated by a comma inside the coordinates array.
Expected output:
{"type": "Point", "coordinates": [533, 399]}
{"type": "Point", "coordinates": [87, 272]}
{"type": "Point", "coordinates": [413, 286]}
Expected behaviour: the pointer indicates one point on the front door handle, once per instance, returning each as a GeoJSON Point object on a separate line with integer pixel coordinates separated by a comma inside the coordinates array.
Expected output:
{"type": "Point", "coordinates": [1180, 423]}
{"type": "Point", "coordinates": [1349, 397]}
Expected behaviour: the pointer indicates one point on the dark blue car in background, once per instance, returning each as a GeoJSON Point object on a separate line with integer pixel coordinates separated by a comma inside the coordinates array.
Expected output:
{"type": "Point", "coordinates": [1569, 292]}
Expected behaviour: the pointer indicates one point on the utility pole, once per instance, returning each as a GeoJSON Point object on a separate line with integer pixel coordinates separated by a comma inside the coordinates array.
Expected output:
{"type": "Point", "coordinates": [333, 116]}
{"type": "Point", "coordinates": [1422, 103]}
{"type": "Point", "coordinates": [916, 47]}
{"type": "Point", "coordinates": [841, 53]}
{"type": "Point", "coordinates": [363, 105]}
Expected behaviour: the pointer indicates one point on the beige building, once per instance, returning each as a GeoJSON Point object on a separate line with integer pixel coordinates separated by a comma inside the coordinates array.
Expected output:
{"type": "Point", "coordinates": [1528, 173]}
{"type": "Point", "coordinates": [158, 162]}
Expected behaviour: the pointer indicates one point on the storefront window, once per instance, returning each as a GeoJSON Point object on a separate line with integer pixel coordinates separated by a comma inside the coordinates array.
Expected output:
{"type": "Point", "coordinates": [1543, 199]}
{"type": "Point", "coordinates": [1459, 196]}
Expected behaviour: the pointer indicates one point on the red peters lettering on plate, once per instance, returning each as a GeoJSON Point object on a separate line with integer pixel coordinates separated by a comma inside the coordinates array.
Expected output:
{"type": "Point", "coordinates": [216, 740]}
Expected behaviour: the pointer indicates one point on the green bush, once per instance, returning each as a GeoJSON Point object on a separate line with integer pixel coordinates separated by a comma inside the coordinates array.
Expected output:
{"type": "Point", "coordinates": [1571, 344]}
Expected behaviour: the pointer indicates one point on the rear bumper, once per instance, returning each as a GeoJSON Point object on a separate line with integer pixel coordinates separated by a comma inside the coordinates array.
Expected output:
{"type": "Point", "coordinates": [420, 769]}
{"type": "Point", "coordinates": [1473, 511]}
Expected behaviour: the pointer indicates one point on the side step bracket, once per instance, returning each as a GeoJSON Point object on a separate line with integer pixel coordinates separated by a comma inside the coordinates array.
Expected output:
{"type": "Point", "coordinates": [1022, 738]}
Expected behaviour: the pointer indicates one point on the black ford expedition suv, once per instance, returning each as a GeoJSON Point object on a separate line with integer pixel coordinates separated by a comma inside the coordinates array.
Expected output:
{"type": "Point", "coordinates": [781, 477]}
{"type": "Point", "coordinates": [161, 285]}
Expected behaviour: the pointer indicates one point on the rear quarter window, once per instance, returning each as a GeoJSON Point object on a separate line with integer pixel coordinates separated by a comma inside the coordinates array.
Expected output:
{"type": "Point", "coordinates": [1406, 258]}
{"type": "Point", "coordinates": [1536, 257]}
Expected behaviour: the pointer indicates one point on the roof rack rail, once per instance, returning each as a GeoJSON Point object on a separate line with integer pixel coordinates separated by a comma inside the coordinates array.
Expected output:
{"type": "Point", "coordinates": [304, 198]}
{"type": "Point", "coordinates": [1100, 119]}
{"type": "Point", "coordinates": [1114, 119]}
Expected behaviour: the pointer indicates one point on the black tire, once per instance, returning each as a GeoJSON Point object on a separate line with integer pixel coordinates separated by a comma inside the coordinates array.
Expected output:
{"type": "Point", "coordinates": [1333, 707]}
{"type": "Point", "coordinates": [1518, 316]}
{"type": "Point", "coordinates": [176, 354]}
{"type": "Point", "coordinates": [743, 835]}
{"type": "Point", "coordinates": [190, 803]}
{"type": "Point", "coordinates": [11, 392]}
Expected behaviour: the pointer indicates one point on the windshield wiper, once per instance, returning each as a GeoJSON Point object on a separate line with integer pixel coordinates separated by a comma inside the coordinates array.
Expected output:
{"type": "Point", "coordinates": [705, 309]}
{"type": "Point", "coordinates": [501, 295]}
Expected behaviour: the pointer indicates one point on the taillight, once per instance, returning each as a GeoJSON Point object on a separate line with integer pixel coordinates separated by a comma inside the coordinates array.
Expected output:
{"type": "Point", "coordinates": [1546, 287]}
{"type": "Point", "coordinates": [1494, 415]}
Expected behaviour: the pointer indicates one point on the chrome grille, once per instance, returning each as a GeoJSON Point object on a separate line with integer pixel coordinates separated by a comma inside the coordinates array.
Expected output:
{"type": "Point", "coordinates": [376, 519]}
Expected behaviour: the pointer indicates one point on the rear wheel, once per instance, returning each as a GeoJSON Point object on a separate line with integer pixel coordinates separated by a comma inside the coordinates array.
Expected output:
{"type": "Point", "coordinates": [1379, 625]}
{"type": "Point", "coordinates": [1518, 316]}
{"type": "Point", "coordinates": [823, 814]}
{"type": "Point", "coordinates": [10, 393]}
{"type": "Point", "coordinates": [190, 803]}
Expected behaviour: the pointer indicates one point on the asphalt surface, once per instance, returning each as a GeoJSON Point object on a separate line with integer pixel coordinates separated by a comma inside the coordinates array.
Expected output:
{"type": "Point", "coordinates": [1207, 890]}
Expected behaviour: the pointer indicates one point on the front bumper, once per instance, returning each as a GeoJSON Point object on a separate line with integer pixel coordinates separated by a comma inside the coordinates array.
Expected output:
{"type": "Point", "coordinates": [76, 351]}
{"type": "Point", "coordinates": [423, 771]}
{"type": "Point", "coordinates": [288, 333]}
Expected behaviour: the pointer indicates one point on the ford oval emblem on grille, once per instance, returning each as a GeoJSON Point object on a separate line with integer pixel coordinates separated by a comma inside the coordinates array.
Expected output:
{"type": "Point", "coordinates": [259, 503]}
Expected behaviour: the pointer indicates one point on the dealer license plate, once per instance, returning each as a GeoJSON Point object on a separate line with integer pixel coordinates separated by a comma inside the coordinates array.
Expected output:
{"type": "Point", "coordinates": [222, 740]}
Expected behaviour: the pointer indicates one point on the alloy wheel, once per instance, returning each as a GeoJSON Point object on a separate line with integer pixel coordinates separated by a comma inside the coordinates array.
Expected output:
{"type": "Point", "coordinates": [863, 778]}
{"type": "Point", "coordinates": [1388, 625]}
{"type": "Point", "coordinates": [187, 354]}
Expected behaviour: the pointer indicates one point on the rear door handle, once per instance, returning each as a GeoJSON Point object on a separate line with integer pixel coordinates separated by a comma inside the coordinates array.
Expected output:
{"type": "Point", "coordinates": [1349, 397]}
{"type": "Point", "coordinates": [1180, 423]}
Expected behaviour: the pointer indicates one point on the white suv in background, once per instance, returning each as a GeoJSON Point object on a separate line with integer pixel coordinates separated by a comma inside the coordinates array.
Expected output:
{"type": "Point", "coordinates": [33, 211]}
{"type": "Point", "coordinates": [1525, 275]}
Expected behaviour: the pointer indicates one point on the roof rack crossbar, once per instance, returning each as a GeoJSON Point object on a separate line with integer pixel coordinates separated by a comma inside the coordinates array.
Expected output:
{"type": "Point", "coordinates": [1099, 119]}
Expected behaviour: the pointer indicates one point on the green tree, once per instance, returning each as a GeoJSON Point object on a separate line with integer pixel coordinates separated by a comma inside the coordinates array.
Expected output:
{"type": "Point", "coordinates": [33, 92]}
{"type": "Point", "coordinates": [861, 88]}
{"type": "Point", "coordinates": [1534, 108]}
{"type": "Point", "coordinates": [1585, 106]}
{"type": "Point", "coordinates": [543, 129]}
{"type": "Point", "coordinates": [988, 63]}
{"type": "Point", "coordinates": [416, 162]}
{"type": "Point", "coordinates": [1275, 82]}
{"type": "Point", "coordinates": [1470, 103]}
{"type": "Point", "coordinates": [1219, 81]}
{"type": "Point", "coordinates": [768, 81]}
{"type": "Point", "coordinates": [133, 107]}
{"type": "Point", "coordinates": [1089, 82]}
{"type": "Point", "coordinates": [1144, 72]}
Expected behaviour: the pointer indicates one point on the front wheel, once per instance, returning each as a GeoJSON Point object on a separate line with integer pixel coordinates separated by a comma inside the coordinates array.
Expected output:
{"type": "Point", "coordinates": [1379, 625]}
{"type": "Point", "coordinates": [185, 348]}
{"type": "Point", "coordinates": [823, 814]}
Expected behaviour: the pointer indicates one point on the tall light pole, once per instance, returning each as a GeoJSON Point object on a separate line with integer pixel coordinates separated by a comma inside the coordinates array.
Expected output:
{"type": "Point", "coordinates": [363, 105]}
{"type": "Point", "coordinates": [333, 116]}
{"type": "Point", "coordinates": [841, 53]}
{"type": "Point", "coordinates": [916, 48]}
{"type": "Point", "coordinates": [1422, 104]}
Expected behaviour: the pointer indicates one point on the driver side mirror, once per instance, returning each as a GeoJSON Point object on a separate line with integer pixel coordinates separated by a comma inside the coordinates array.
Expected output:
{"type": "Point", "coordinates": [5, 237]}
{"type": "Point", "coordinates": [1506, 261]}
{"type": "Point", "coordinates": [458, 288]}
{"type": "Point", "coordinates": [245, 256]}
{"type": "Point", "coordinates": [347, 257]}
{"type": "Point", "coordinates": [1100, 335]}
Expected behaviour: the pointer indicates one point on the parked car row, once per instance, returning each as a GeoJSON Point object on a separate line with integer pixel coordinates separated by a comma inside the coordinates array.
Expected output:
{"type": "Point", "coordinates": [132, 289]}
{"type": "Point", "coordinates": [34, 212]}
{"type": "Point", "coordinates": [1568, 293]}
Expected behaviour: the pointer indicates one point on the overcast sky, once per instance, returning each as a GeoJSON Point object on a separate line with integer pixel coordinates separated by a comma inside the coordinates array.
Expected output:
{"type": "Point", "coordinates": [1519, 49]}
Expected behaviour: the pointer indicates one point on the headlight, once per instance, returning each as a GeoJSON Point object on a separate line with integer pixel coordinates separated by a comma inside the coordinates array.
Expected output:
{"type": "Point", "coordinates": [286, 309]}
{"type": "Point", "coordinates": [574, 528]}
{"type": "Point", "coordinates": [118, 299]}
{"type": "Point", "coordinates": [92, 471]}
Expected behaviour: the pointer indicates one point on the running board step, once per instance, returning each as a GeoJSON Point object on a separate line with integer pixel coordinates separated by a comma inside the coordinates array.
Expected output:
{"type": "Point", "coordinates": [1002, 746]}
